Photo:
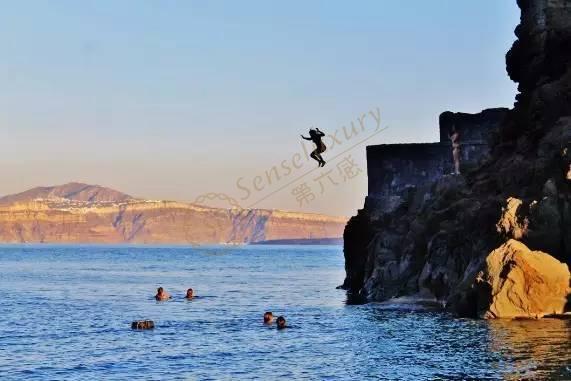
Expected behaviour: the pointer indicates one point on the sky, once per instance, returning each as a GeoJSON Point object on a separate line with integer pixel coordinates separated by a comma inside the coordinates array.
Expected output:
{"type": "Point", "coordinates": [206, 100]}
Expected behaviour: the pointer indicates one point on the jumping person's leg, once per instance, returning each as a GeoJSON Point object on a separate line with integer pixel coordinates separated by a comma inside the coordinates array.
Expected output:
{"type": "Point", "coordinates": [318, 152]}
{"type": "Point", "coordinates": [315, 156]}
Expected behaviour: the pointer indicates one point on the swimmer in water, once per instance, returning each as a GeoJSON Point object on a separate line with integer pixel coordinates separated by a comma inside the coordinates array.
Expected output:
{"type": "Point", "coordinates": [268, 318]}
{"type": "Point", "coordinates": [162, 295]}
{"type": "Point", "coordinates": [315, 136]}
{"type": "Point", "coordinates": [281, 322]}
{"type": "Point", "coordinates": [189, 294]}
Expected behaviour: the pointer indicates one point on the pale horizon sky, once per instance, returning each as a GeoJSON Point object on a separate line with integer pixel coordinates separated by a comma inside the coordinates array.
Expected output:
{"type": "Point", "coordinates": [174, 99]}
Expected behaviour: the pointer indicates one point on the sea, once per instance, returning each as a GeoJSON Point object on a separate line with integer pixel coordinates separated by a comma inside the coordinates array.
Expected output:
{"type": "Point", "coordinates": [66, 313]}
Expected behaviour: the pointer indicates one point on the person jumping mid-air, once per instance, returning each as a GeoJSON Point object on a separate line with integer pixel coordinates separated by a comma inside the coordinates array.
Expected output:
{"type": "Point", "coordinates": [315, 136]}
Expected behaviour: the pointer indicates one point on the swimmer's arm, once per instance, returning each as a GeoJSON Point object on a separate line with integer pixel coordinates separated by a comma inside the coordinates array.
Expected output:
{"type": "Point", "coordinates": [305, 137]}
{"type": "Point", "coordinates": [320, 133]}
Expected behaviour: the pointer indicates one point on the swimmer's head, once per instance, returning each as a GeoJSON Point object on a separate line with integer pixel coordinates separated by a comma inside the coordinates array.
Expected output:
{"type": "Point", "coordinates": [268, 317]}
{"type": "Point", "coordinates": [312, 132]}
{"type": "Point", "coordinates": [281, 322]}
{"type": "Point", "coordinates": [160, 290]}
{"type": "Point", "coordinates": [189, 293]}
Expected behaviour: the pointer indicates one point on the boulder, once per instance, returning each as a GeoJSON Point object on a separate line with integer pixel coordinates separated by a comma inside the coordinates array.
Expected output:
{"type": "Point", "coordinates": [516, 282]}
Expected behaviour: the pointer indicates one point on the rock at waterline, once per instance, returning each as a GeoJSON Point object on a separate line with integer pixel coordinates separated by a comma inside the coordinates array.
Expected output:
{"type": "Point", "coordinates": [143, 324]}
{"type": "Point", "coordinates": [516, 282]}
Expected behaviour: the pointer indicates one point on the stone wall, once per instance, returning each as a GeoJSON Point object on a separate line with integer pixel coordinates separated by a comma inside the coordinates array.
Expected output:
{"type": "Point", "coordinates": [393, 168]}
{"type": "Point", "coordinates": [473, 128]}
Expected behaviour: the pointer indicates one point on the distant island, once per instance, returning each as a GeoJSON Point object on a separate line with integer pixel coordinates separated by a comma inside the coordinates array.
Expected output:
{"type": "Point", "coordinates": [83, 213]}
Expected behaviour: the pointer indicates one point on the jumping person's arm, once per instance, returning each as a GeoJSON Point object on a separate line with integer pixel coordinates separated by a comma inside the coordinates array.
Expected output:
{"type": "Point", "coordinates": [319, 132]}
{"type": "Point", "coordinates": [305, 137]}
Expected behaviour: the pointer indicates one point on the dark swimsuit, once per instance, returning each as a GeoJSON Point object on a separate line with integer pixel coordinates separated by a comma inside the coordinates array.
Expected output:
{"type": "Point", "coordinates": [316, 139]}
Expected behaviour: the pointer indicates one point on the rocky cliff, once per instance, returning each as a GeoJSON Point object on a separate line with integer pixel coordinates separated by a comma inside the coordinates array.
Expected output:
{"type": "Point", "coordinates": [426, 233]}
{"type": "Point", "coordinates": [81, 213]}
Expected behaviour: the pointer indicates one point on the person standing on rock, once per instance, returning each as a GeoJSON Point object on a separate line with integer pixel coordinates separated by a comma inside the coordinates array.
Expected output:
{"type": "Point", "coordinates": [455, 139]}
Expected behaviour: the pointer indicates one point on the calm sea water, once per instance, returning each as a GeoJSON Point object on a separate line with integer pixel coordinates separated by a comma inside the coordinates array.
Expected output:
{"type": "Point", "coordinates": [66, 312]}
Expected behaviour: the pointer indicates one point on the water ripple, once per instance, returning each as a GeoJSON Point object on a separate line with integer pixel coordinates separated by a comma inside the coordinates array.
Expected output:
{"type": "Point", "coordinates": [66, 313]}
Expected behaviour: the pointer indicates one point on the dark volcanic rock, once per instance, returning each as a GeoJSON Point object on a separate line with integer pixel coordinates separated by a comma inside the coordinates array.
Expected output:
{"type": "Point", "coordinates": [356, 239]}
{"type": "Point", "coordinates": [425, 233]}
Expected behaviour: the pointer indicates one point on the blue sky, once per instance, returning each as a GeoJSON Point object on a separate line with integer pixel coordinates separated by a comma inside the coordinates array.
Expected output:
{"type": "Point", "coordinates": [172, 99]}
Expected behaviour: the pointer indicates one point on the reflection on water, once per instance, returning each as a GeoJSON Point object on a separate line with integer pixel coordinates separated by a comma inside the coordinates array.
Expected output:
{"type": "Point", "coordinates": [66, 314]}
{"type": "Point", "coordinates": [534, 349]}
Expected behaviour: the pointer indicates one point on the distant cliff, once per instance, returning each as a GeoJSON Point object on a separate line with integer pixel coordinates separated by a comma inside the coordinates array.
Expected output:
{"type": "Point", "coordinates": [477, 242]}
{"type": "Point", "coordinates": [69, 192]}
{"type": "Point", "coordinates": [81, 213]}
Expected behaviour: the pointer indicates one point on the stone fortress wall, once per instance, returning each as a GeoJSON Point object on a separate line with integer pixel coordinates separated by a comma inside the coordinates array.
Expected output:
{"type": "Point", "coordinates": [392, 168]}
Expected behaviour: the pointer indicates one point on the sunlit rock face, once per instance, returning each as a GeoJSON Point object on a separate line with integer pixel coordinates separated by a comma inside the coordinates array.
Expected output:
{"type": "Point", "coordinates": [81, 213]}
{"type": "Point", "coordinates": [426, 233]}
{"type": "Point", "coordinates": [515, 282]}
